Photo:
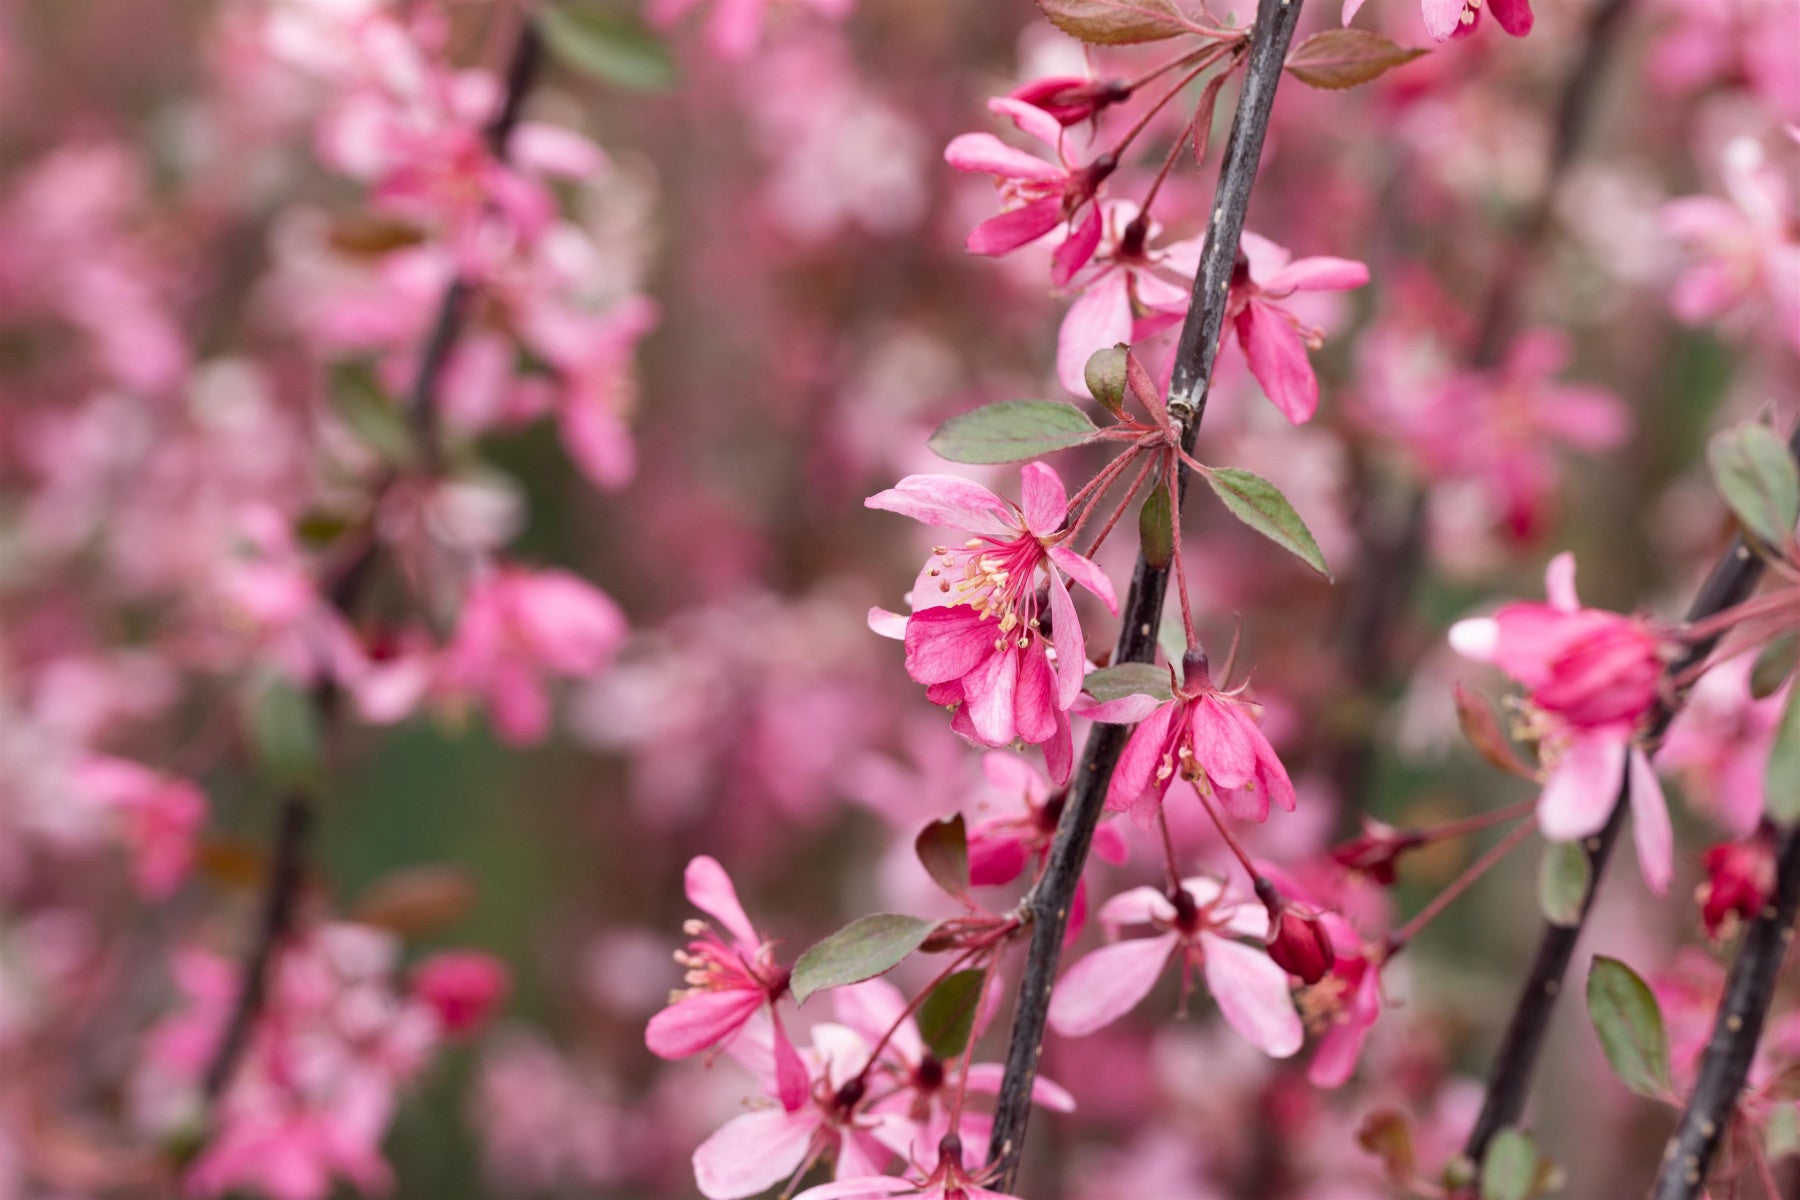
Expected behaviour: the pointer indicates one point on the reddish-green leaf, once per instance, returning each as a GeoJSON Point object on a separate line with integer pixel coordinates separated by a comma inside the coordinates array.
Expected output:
{"type": "Point", "coordinates": [1260, 505]}
{"type": "Point", "coordinates": [1781, 785]}
{"type": "Point", "coordinates": [1128, 679]}
{"type": "Point", "coordinates": [948, 1015]}
{"type": "Point", "coordinates": [863, 949]}
{"type": "Point", "coordinates": [1011, 431]}
{"type": "Point", "coordinates": [1483, 730]}
{"type": "Point", "coordinates": [1344, 58]}
{"type": "Point", "coordinates": [1625, 1015]}
{"type": "Point", "coordinates": [1756, 475]}
{"type": "Point", "coordinates": [943, 850]}
{"type": "Point", "coordinates": [1156, 529]}
{"type": "Point", "coordinates": [1385, 1134]}
{"type": "Point", "coordinates": [1114, 22]}
{"type": "Point", "coordinates": [1563, 878]}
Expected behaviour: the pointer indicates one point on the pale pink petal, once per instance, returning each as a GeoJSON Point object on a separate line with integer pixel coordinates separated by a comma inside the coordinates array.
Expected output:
{"type": "Point", "coordinates": [1044, 499]}
{"type": "Point", "coordinates": [1071, 647]}
{"type": "Point", "coordinates": [888, 624]}
{"type": "Point", "coordinates": [943, 644]}
{"type": "Point", "coordinates": [1029, 118]}
{"type": "Point", "coordinates": [699, 1021]}
{"type": "Point", "coordinates": [709, 889]}
{"type": "Point", "coordinates": [1579, 795]}
{"type": "Point", "coordinates": [1559, 583]}
{"type": "Point", "coordinates": [1006, 232]}
{"type": "Point", "coordinates": [1650, 828]}
{"type": "Point", "coordinates": [598, 439]}
{"type": "Point", "coordinates": [947, 501]}
{"type": "Point", "coordinates": [1266, 257]}
{"type": "Point", "coordinates": [985, 1079]}
{"type": "Point", "coordinates": [1138, 906]}
{"type": "Point", "coordinates": [1100, 317]}
{"type": "Point", "coordinates": [986, 154]}
{"type": "Point", "coordinates": [1442, 17]}
{"type": "Point", "coordinates": [1335, 1062]}
{"type": "Point", "coordinates": [553, 150]}
{"type": "Point", "coordinates": [1476, 639]}
{"type": "Point", "coordinates": [1126, 710]}
{"type": "Point", "coordinates": [1350, 10]}
{"type": "Point", "coordinates": [1322, 274]}
{"type": "Point", "coordinates": [791, 1079]}
{"type": "Point", "coordinates": [1059, 752]}
{"type": "Point", "coordinates": [1221, 746]}
{"type": "Point", "coordinates": [1252, 993]}
{"type": "Point", "coordinates": [863, 1187]}
{"type": "Point", "coordinates": [752, 1153]}
{"type": "Point", "coordinates": [1137, 764]}
{"type": "Point", "coordinates": [1087, 574]}
{"type": "Point", "coordinates": [1108, 983]}
{"type": "Point", "coordinates": [1013, 777]}
{"type": "Point", "coordinates": [1278, 361]}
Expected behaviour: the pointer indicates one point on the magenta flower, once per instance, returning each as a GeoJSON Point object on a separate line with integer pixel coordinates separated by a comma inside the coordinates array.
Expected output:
{"type": "Point", "coordinates": [1445, 19]}
{"type": "Point", "coordinates": [1592, 677]}
{"type": "Point", "coordinates": [728, 983]}
{"type": "Point", "coordinates": [1036, 194]}
{"type": "Point", "coordinates": [1129, 292]}
{"type": "Point", "coordinates": [1194, 927]}
{"type": "Point", "coordinates": [464, 987]}
{"type": "Point", "coordinates": [975, 637]}
{"type": "Point", "coordinates": [1345, 1005]}
{"type": "Point", "coordinates": [1202, 735]}
{"type": "Point", "coordinates": [1274, 340]}
{"type": "Point", "coordinates": [1746, 253]}
{"type": "Point", "coordinates": [1001, 846]}
{"type": "Point", "coordinates": [159, 817]}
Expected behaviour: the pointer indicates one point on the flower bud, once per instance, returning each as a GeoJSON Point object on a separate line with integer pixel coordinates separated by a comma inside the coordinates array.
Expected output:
{"type": "Point", "coordinates": [1072, 99]}
{"type": "Point", "coordinates": [1740, 878]}
{"type": "Point", "coordinates": [1376, 852]}
{"type": "Point", "coordinates": [1105, 374]}
{"type": "Point", "coordinates": [1299, 944]}
{"type": "Point", "coordinates": [464, 988]}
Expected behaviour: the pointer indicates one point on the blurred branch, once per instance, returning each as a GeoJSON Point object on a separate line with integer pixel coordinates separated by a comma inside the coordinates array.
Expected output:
{"type": "Point", "coordinates": [1141, 615]}
{"type": "Point", "coordinates": [1726, 1060]}
{"type": "Point", "coordinates": [1731, 581]}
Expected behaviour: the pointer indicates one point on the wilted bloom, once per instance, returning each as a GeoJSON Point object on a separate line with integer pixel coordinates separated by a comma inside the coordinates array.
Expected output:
{"type": "Point", "coordinates": [1375, 851]}
{"type": "Point", "coordinates": [1200, 734]}
{"type": "Point", "coordinates": [464, 988]}
{"type": "Point", "coordinates": [975, 635]}
{"type": "Point", "coordinates": [1275, 341]}
{"type": "Point", "coordinates": [1740, 878]}
{"type": "Point", "coordinates": [1592, 677]}
{"type": "Point", "coordinates": [727, 983]}
{"type": "Point", "coordinates": [1196, 925]}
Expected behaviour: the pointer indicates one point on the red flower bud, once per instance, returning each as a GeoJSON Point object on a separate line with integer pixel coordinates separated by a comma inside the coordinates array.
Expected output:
{"type": "Point", "coordinates": [1299, 944]}
{"type": "Point", "coordinates": [1740, 877]}
{"type": "Point", "coordinates": [1072, 99]}
{"type": "Point", "coordinates": [464, 987]}
{"type": "Point", "coordinates": [1376, 852]}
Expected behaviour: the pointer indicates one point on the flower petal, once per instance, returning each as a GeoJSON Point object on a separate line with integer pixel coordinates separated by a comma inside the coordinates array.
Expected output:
{"type": "Point", "coordinates": [753, 1153]}
{"type": "Point", "coordinates": [1044, 499]}
{"type": "Point", "coordinates": [700, 1021]}
{"type": "Point", "coordinates": [1252, 992]}
{"type": "Point", "coordinates": [1071, 647]}
{"type": "Point", "coordinates": [1559, 583]}
{"type": "Point", "coordinates": [1278, 360]}
{"type": "Point", "coordinates": [1650, 829]}
{"type": "Point", "coordinates": [1579, 795]}
{"type": "Point", "coordinates": [1222, 748]}
{"type": "Point", "coordinates": [1322, 274]}
{"type": "Point", "coordinates": [1035, 706]}
{"type": "Point", "coordinates": [984, 153]}
{"type": "Point", "coordinates": [1076, 249]}
{"type": "Point", "coordinates": [1100, 317]}
{"type": "Point", "coordinates": [1137, 764]}
{"type": "Point", "coordinates": [1015, 227]}
{"type": "Point", "coordinates": [947, 501]}
{"type": "Point", "coordinates": [709, 890]}
{"type": "Point", "coordinates": [1087, 574]}
{"type": "Point", "coordinates": [1137, 906]}
{"type": "Point", "coordinates": [948, 643]}
{"type": "Point", "coordinates": [1108, 983]}
{"type": "Point", "coordinates": [988, 693]}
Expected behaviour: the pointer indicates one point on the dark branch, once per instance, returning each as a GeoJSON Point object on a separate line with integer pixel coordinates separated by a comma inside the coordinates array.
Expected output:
{"type": "Point", "coordinates": [1141, 615]}
{"type": "Point", "coordinates": [1731, 581]}
{"type": "Point", "coordinates": [1726, 1060]}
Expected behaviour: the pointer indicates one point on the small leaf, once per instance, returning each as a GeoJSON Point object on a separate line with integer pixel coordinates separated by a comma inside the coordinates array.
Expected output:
{"type": "Point", "coordinates": [285, 732]}
{"type": "Point", "coordinates": [1625, 1015]}
{"type": "Point", "coordinates": [948, 1015]}
{"type": "Point", "coordinates": [374, 418]}
{"type": "Point", "coordinates": [1781, 785]}
{"type": "Point", "coordinates": [1756, 475]}
{"type": "Point", "coordinates": [1105, 376]}
{"type": "Point", "coordinates": [1128, 679]}
{"type": "Point", "coordinates": [595, 40]}
{"type": "Point", "coordinates": [1510, 1170]}
{"type": "Point", "coordinates": [1774, 665]}
{"type": "Point", "coordinates": [943, 850]}
{"type": "Point", "coordinates": [1385, 1134]}
{"type": "Point", "coordinates": [863, 949]}
{"type": "Point", "coordinates": [1200, 132]}
{"type": "Point", "coordinates": [1344, 58]}
{"type": "Point", "coordinates": [1011, 431]}
{"type": "Point", "coordinates": [1483, 730]}
{"type": "Point", "coordinates": [1156, 532]}
{"type": "Point", "coordinates": [1563, 877]}
{"type": "Point", "coordinates": [1259, 504]}
{"type": "Point", "coordinates": [1114, 22]}
{"type": "Point", "coordinates": [415, 901]}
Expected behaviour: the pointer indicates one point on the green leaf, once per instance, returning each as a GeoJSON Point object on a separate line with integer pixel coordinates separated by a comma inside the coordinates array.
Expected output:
{"type": "Point", "coordinates": [1510, 1170]}
{"type": "Point", "coordinates": [1128, 679]}
{"type": "Point", "coordinates": [1563, 877]}
{"type": "Point", "coordinates": [1781, 785]}
{"type": "Point", "coordinates": [1259, 504]}
{"type": "Point", "coordinates": [1756, 475]}
{"type": "Point", "coordinates": [1114, 22]}
{"type": "Point", "coordinates": [1343, 58]}
{"type": "Point", "coordinates": [597, 41]}
{"type": "Point", "coordinates": [863, 949]}
{"type": "Point", "coordinates": [285, 733]}
{"type": "Point", "coordinates": [1011, 431]}
{"type": "Point", "coordinates": [943, 850]}
{"type": "Point", "coordinates": [948, 1015]}
{"type": "Point", "coordinates": [1630, 1025]}
{"type": "Point", "coordinates": [1774, 665]}
{"type": "Point", "coordinates": [366, 409]}
{"type": "Point", "coordinates": [1156, 530]}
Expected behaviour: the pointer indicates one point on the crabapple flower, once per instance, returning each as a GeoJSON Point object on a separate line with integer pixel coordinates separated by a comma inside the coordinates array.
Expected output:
{"type": "Point", "coordinates": [1592, 677]}
{"type": "Point", "coordinates": [735, 27]}
{"type": "Point", "coordinates": [1344, 1005]}
{"type": "Point", "coordinates": [464, 988]}
{"type": "Point", "coordinates": [1275, 341]}
{"type": "Point", "coordinates": [951, 1179]}
{"type": "Point", "coordinates": [728, 983]}
{"type": "Point", "coordinates": [1072, 99]}
{"type": "Point", "coordinates": [1194, 928]}
{"type": "Point", "coordinates": [1202, 735]}
{"type": "Point", "coordinates": [160, 818]}
{"type": "Point", "coordinates": [518, 625]}
{"type": "Point", "coordinates": [1036, 194]}
{"type": "Point", "coordinates": [1720, 745]}
{"type": "Point", "coordinates": [1445, 19]}
{"type": "Point", "coordinates": [1129, 291]}
{"type": "Point", "coordinates": [975, 636]}
{"type": "Point", "coordinates": [1745, 249]}
{"type": "Point", "coordinates": [1740, 878]}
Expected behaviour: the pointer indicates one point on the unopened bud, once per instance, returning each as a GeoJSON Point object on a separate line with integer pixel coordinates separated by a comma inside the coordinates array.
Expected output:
{"type": "Point", "coordinates": [1072, 99]}
{"type": "Point", "coordinates": [1376, 852]}
{"type": "Point", "coordinates": [1740, 878]}
{"type": "Point", "coordinates": [1299, 944]}
{"type": "Point", "coordinates": [1105, 374]}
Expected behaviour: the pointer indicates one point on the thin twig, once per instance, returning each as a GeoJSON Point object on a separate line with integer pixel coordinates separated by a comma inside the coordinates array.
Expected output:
{"type": "Point", "coordinates": [1737, 1027]}
{"type": "Point", "coordinates": [1731, 580]}
{"type": "Point", "coordinates": [1141, 615]}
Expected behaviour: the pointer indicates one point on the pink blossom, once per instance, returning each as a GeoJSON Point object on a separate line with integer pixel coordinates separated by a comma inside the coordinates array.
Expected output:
{"type": "Point", "coordinates": [1592, 677]}
{"type": "Point", "coordinates": [518, 625]}
{"type": "Point", "coordinates": [1740, 878]}
{"type": "Point", "coordinates": [160, 817]}
{"type": "Point", "coordinates": [951, 1179]}
{"type": "Point", "coordinates": [735, 27]}
{"type": "Point", "coordinates": [1720, 745]}
{"type": "Point", "coordinates": [1251, 990]}
{"type": "Point", "coordinates": [1202, 735]}
{"type": "Point", "coordinates": [1273, 339]}
{"type": "Point", "coordinates": [1000, 847]}
{"type": "Point", "coordinates": [1345, 1005]}
{"type": "Point", "coordinates": [1003, 687]}
{"type": "Point", "coordinates": [1746, 253]}
{"type": "Point", "coordinates": [1445, 19]}
{"type": "Point", "coordinates": [464, 987]}
{"type": "Point", "coordinates": [594, 354]}
{"type": "Point", "coordinates": [1130, 290]}
{"type": "Point", "coordinates": [728, 983]}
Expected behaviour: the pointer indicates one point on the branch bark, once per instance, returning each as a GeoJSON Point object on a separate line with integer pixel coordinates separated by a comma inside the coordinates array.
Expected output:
{"type": "Point", "coordinates": [1726, 1061]}
{"type": "Point", "coordinates": [1141, 615]}
{"type": "Point", "coordinates": [1731, 581]}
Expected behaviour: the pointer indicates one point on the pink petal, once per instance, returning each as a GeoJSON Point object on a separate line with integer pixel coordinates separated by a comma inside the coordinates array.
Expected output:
{"type": "Point", "coordinates": [1271, 773]}
{"type": "Point", "coordinates": [791, 1079]}
{"type": "Point", "coordinates": [1013, 777]}
{"type": "Point", "coordinates": [1071, 647]}
{"type": "Point", "coordinates": [1253, 995]}
{"type": "Point", "coordinates": [1650, 828]}
{"type": "Point", "coordinates": [888, 624]}
{"type": "Point", "coordinates": [863, 1187]}
{"type": "Point", "coordinates": [1559, 583]}
{"type": "Point", "coordinates": [1126, 710]}
{"type": "Point", "coordinates": [1059, 752]}
{"type": "Point", "coordinates": [1077, 248]}
{"type": "Point", "coordinates": [1514, 15]}
{"type": "Point", "coordinates": [1476, 639]}
{"type": "Point", "coordinates": [986, 154]}
{"type": "Point", "coordinates": [1442, 17]}
{"type": "Point", "coordinates": [943, 644]}
{"type": "Point", "coordinates": [1323, 274]}
{"type": "Point", "coordinates": [753, 1153]}
{"type": "Point", "coordinates": [1579, 795]}
{"type": "Point", "coordinates": [1350, 10]}
{"type": "Point", "coordinates": [985, 1079]}
{"type": "Point", "coordinates": [699, 1022]}
{"type": "Point", "coordinates": [1137, 764]}
{"type": "Point", "coordinates": [1110, 844]}
{"type": "Point", "coordinates": [1087, 574]}
{"type": "Point", "coordinates": [709, 889]}
{"type": "Point", "coordinates": [1108, 983]}
{"type": "Point", "coordinates": [1029, 118]}
{"type": "Point", "coordinates": [1006, 232]}
{"type": "Point", "coordinates": [1044, 499]}
{"type": "Point", "coordinates": [1035, 708]}
{"type": "Point", "coordinates": [597, 438]}
{"type": "Point", "coordinates": [1335, 1062]}
{"type": "Point", "coordinates": [1137, 906]}
{"type": "Point", "coordinates": [1222, 748]}
{"type": "Point", "coordinates": [988, 693]}
{"type": "Point", "coordinates": [1278, 361]}
{"type": "Point", "coordinates": [1267, 259]}
{"type": "Point", "coordinates": [994, 860]}
{"type": "Point", "coordinates": [947, 501]}
{"type": "Point", "coordinates": [1100, 317]}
